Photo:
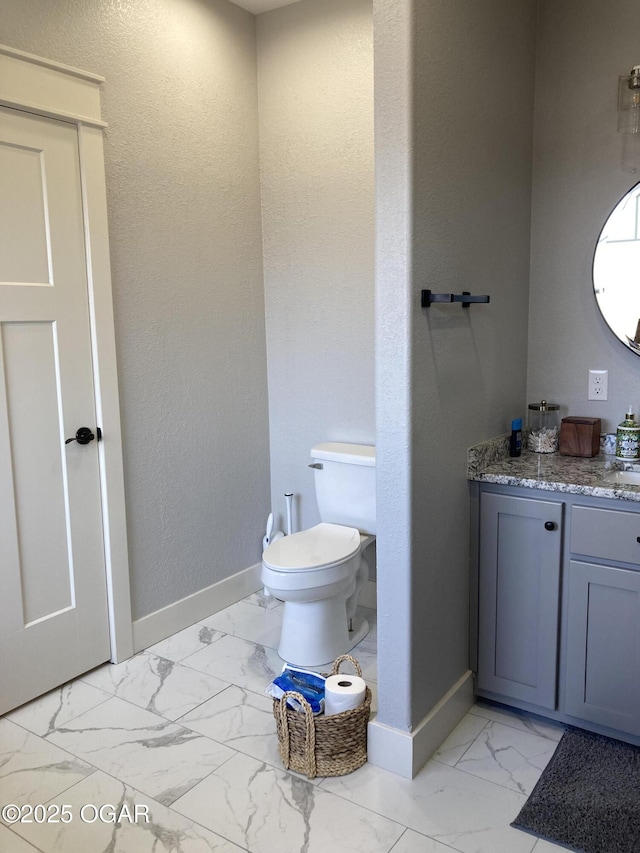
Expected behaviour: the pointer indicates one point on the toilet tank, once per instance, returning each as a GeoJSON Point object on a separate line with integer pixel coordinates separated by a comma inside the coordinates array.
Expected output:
{"type": "Point", "coordinates": [345, 481]}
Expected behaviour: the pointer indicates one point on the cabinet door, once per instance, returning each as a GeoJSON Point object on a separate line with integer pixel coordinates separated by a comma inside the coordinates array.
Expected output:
{"type": "Point", "coordinates": [603, 646]}
{"type": "Point", "coordinates": [519, 593]}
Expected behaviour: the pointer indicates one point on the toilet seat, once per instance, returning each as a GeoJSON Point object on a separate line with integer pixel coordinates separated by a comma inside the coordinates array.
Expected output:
{"type": "Point", "coordinates": [314, 549]}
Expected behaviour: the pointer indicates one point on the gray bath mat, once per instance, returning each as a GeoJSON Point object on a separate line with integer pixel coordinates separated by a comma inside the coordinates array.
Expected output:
{"type": "Point", "coordinates": [588, 797]}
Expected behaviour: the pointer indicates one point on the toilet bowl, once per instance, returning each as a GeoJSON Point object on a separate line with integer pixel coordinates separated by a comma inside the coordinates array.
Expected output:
{"type": "Point", "coordinates": [318, 574]}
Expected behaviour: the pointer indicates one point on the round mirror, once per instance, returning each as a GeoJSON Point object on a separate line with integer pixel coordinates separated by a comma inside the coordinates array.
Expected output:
{"type": "Point", "coordinates": [616, 270]}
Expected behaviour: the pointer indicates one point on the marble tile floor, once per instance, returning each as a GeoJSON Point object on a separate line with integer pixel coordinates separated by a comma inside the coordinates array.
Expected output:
{"type": "Point", "coordinates": [180, 742]}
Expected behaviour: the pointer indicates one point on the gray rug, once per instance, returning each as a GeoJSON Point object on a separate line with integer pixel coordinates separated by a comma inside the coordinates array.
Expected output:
{"type": "Point", "coordinates": [588, 797]}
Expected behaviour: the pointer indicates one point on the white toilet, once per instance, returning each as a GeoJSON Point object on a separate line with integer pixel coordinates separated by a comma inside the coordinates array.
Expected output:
{"type": "Point", "coordinates": [319, 572]}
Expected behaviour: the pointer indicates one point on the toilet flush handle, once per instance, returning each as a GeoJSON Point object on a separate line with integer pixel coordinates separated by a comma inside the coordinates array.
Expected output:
{"type": "Point", "coordinates": [317, 465]}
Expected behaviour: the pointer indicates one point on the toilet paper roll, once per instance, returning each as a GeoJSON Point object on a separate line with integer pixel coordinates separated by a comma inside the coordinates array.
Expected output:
{"type": "Point", "coordinates": [343, 693]}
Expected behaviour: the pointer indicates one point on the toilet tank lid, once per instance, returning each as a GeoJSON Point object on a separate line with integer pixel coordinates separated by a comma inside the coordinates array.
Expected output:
{"type": "Point", "coordinates": [354, 454]}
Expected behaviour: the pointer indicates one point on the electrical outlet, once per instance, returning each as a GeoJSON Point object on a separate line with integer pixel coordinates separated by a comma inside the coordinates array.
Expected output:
{"type": "Point", "coordinates": [598, 384]}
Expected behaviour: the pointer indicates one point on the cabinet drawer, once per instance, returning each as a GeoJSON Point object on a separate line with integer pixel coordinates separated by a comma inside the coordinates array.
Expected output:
{"type": "Point", "coordinates": [605, 533]}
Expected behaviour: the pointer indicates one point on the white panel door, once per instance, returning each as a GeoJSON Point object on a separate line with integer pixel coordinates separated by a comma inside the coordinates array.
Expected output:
{"type": "Point", "coordinates": [53, 600]}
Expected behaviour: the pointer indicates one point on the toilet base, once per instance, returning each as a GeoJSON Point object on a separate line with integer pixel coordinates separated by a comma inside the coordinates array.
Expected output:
{"type": "Point", "coordinates": [316, 632]}
{"type": "Point", "coordinates": [359, 632]}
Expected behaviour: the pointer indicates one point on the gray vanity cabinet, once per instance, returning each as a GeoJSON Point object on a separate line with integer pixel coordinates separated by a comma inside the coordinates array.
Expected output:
{"type": "Point", "coordinates": [559, 610]}
{"type": "Point", "coordinates": [603, 619]}
{"type": "Point", "coordinates": [519, 597]}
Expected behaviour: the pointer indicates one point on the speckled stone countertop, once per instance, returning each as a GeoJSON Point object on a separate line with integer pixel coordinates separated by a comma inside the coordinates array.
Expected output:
{"type": "Point", "coordinates": [490, 463]}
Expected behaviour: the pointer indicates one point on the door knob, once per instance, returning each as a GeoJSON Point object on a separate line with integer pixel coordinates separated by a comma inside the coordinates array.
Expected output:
{"type": "Point", "coordinates": [549, 525]}
{"type": "Point", "coordinates": [82, 436]}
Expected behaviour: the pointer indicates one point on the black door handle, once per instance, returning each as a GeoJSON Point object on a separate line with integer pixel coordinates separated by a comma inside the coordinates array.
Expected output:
{"type": "Point", "coordinates": [82, 436]}
{"type": "Point", "coordinates": [549, 525]}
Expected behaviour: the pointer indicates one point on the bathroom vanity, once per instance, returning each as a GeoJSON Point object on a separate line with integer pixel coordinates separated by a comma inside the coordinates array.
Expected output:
{"type": "Point", "coordinates": [556, 588]}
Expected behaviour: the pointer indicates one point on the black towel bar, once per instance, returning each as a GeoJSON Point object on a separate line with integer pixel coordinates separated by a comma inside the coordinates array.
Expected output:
{"type": "Point", "coordinates": [428, 298]}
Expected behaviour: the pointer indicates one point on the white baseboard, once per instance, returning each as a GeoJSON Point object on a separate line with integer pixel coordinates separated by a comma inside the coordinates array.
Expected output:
{"type": "Point", "coordinates": [405, 753]}
{"type": "Point", "coordinates": [179, 615]}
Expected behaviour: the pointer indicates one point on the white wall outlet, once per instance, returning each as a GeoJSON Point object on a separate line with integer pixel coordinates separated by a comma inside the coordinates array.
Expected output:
{"type": "Point", "coordinates": [598, 384]}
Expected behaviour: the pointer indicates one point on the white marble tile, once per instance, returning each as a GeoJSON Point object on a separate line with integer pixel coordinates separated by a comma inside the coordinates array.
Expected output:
{"type": "Point", "coordinates": [269, 811]}
{"type": "Point", "coordinates": [57, 707]}
{"type": "Point", "coordinates": [452, 807]}
{"type": "Point", "coordinates": [519, 720]}
{"type": "Point", "coordinates": [241, 720]}
{"type": "Point", "coordinates": [157, 684]}
{"type": "Point", "coordinates": [508, 757]}
{"type": "Point", "coordinates": [185, 643]}
{"type": "Point", "coordinates": [413, 842]}
{"type": "Point", "coordinates": [144, 825]}
{"type": "Point", "coordinates": [31, 769]}
{"type": "Point", "coordinates": [460, 739]}
{"type": "Point", "coordinates": [257, 624]}
{"type": "Point", "coordinates": [12, 843]}
{"type": "Point", "coordinates": [238, 662]}
{"type": "Point", "coordinates": [155, 756]}
{"type": "Point", "coordinates": [543, 846]}
{"type": "Point", "coordinates": [262, 600]}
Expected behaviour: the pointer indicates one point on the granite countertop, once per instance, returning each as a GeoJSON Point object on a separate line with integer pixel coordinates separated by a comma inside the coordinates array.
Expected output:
{"type": "Point", "coordinates": [490, 463]}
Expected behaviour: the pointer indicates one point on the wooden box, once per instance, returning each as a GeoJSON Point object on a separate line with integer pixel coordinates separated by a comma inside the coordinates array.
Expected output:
{"type": "Point", "coordinates": [580, 436]}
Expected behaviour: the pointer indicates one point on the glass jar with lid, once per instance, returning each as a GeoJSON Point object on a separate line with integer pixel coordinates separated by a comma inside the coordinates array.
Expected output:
{"type": "Point", "coordinates": [543, 427]}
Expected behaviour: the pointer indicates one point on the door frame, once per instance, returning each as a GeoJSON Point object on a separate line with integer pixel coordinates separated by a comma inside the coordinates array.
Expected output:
{"type": "Point", "coordinates": [51, 89]}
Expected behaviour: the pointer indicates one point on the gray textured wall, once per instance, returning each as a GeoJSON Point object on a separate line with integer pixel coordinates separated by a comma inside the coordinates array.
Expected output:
{"type": "Point", "coordinates": [578, 179]}
{"type": "Point", "coordinates": [184, 217]}
{"type": "Point", "coordinates": [459, 376]}
{"type": "Point", "coordinates": [315, 73]}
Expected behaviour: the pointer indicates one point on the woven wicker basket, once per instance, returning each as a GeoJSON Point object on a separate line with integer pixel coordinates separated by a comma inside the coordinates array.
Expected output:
{"type": "Point", "coordinates": [322, 746]}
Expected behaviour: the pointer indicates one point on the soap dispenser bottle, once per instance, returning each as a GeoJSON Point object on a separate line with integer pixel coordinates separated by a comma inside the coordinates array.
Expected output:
{"type": "Point", "coordinates": [628, 437]}
{"type": "Point", "coordinates": [515, 442]}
